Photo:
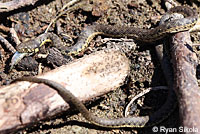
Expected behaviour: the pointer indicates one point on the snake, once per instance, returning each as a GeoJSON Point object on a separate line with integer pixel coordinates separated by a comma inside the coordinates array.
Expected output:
{"type": "Point", "coordinates": [88, 33]}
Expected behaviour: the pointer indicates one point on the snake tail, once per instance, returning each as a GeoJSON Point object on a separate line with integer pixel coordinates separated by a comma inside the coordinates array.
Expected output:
{"type": "Point", "coordinates": [135, 121]}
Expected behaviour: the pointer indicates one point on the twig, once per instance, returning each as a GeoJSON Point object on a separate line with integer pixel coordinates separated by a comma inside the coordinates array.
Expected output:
{"type": "Point", "coordinates": [63, 11]}
{"type": "Point", "coordinates": [72, 2]}
{"type": "Point", "coordinates": [141, 94]}
{"type": "Point", "coordinates": [4, 28]}
{"type": "Point", "coordinates": [7, 44]}
{"type": "Point", "coordinates": [14, 36]}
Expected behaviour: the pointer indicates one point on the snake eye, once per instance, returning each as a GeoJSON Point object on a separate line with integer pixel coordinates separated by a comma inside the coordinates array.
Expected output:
{"type": "Point", "coordinates": [159, 30]}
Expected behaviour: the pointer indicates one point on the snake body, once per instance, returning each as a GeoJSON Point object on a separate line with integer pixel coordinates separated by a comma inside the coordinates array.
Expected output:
{"type": "Point", "coordinates": [69, 97]}
{"type": "Point", "coordinates": [89, 32]}
{"type": "Point", "coordinates": [148, 35]}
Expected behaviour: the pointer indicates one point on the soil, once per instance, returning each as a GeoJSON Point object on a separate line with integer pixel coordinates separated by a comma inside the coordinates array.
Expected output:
{"type": "Point", "coordinates": [31, 21]}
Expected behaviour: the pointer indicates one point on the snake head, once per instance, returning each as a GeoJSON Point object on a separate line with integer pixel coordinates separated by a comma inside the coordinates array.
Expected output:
{"type": "Point", "coordinates": [31, 46]}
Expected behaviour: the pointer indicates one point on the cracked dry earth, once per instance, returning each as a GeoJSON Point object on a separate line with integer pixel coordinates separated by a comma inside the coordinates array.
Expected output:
{"type": "Point", "coordinates": [145, 69]}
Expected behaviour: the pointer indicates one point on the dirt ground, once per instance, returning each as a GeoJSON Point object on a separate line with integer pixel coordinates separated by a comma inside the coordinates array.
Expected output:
{"type": "Point", "coordinates": [31, 21]}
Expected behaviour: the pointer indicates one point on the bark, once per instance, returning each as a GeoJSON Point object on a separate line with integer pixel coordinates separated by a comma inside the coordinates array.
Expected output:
{"type": "Point", "coordinates": [185, 84]}
{"type": "Point", "coordinates": [24, 103]}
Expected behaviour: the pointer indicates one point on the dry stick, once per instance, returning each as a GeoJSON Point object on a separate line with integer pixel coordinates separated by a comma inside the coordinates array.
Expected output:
{"type": "Point", "coordinates": [7, 44]}
{"type": "Point", "coordinates": [4, 28]}
{"type": "Point", "coordinates": [185, 84]}
{"type": "Point", "coordinates": [15, 4]}
{"type": "Point", "coordinates": [65, 9]}
{"type": "Point", "coordinates": [14, 36]}
{"type": "Point", "coordinates": [142, 94]}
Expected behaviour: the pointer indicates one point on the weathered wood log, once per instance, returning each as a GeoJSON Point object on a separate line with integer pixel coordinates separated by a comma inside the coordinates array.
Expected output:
{"type": "Point", "coordinates": [185, 84]}
{"type": "Point", "coordinates": [15, 4]}
{"type": "Point", "coordinates": [24, 103]}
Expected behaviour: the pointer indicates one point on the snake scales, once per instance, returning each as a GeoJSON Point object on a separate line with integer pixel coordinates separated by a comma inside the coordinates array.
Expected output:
{"type": "Point", "coordinates": [88, 33]}
{"type": "Point", "coordinates": [146, 35]}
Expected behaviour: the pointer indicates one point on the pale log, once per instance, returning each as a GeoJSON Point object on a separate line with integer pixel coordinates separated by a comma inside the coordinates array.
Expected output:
{"type": "Point", "coordinates": [24, 103]}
